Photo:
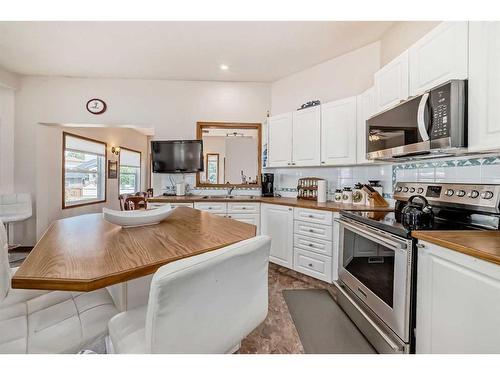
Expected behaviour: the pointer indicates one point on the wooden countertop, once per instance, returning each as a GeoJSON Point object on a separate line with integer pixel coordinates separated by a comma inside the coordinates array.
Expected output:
{"type": "Point", "coordinates": [84, 253]}
{"type": "Point", "coordinates": [483, 245]}
{"type": "Point", "coordinates": [294, 202]}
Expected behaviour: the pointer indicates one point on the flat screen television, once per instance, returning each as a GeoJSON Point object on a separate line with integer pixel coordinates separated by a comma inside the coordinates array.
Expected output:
{"type": "Point", "coordinates": [177, 156]}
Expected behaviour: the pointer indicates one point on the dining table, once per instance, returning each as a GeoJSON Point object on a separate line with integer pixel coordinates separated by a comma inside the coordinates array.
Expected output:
{"type": "Point", "coordinates": [84, 253]}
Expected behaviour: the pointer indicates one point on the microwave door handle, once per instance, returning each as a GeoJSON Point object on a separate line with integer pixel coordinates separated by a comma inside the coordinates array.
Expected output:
{"type": "Point", "coordinates": [422, 128]}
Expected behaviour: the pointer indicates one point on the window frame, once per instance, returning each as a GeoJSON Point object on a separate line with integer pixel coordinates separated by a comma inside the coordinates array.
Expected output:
{"type": "Point", "coordinates": [64, 205]}
{"type": "Point", "coordinates": [120, 164]}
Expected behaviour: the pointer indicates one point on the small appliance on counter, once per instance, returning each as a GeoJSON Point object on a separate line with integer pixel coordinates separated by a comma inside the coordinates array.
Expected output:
{"type": "Point", "coordinates": [267, 184]}
{"type": "Point", "coordinates": [337, 197]}
{"type": "Point", "coordinates": [180, 189]}
{"type": "Point", "coordinates": [417, 214]}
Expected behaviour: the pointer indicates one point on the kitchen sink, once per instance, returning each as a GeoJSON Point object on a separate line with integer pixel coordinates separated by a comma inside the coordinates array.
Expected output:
{"type": "Point", "coordinates": [223, 197]}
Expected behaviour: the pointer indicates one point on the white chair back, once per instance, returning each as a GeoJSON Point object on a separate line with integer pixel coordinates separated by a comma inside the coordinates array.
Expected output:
{"type": "Point", "coordinates": [210, 302]}
{"type": "Point", "coordinates": [15, 204]}
{"type": "Point", "coordinates": [4, 263]}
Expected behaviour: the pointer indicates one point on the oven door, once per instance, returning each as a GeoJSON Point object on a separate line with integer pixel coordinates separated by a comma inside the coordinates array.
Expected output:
{"type": "Point", "coordinates": [400, 131]}
{"type": "Point", "coordinates": [376, 266]}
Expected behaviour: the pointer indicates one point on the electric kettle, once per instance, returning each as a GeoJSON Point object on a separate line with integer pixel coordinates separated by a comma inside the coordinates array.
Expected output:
{"type": "Point", "coordinates": [417, 214]}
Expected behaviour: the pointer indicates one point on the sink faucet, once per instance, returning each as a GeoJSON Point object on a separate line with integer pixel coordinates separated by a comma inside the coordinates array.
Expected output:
{"type": "Point", "coordinates": [230, 190]}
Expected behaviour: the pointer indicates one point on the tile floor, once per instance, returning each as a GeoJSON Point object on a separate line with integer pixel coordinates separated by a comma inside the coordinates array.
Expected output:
{"type": "Point", "coordinates": [277, 334]}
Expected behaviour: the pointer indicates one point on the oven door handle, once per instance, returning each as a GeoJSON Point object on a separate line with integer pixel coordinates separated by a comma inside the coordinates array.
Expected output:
{"type": "Point", "coordinates": [389, 242]}
{"type": "Point", "coordinates": [422, 129]}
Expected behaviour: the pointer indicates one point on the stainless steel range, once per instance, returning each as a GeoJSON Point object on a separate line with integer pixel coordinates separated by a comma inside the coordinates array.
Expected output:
{"type": "Point", "coordinates": [378, 256]}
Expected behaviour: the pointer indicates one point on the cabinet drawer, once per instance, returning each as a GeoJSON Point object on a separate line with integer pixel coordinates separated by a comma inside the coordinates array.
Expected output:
{"type": "Point", "coordinates": [313, 244]}
{"type": "Point", "coordinates": [323, 232]}
{"type": "Point", "coordinates": [182, 204]}
{"type": "Point", "coordinates": [213, 207]}
{"type": "Point", "coordinates": [243, 208]}
{"type": "Point", "coordinates": [312, 264]}
{"type": "Point", "coordinates": [314, 216]}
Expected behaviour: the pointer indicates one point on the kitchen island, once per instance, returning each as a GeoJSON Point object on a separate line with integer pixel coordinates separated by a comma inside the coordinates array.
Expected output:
{"type": "Point", "coordinates": [85, 253]}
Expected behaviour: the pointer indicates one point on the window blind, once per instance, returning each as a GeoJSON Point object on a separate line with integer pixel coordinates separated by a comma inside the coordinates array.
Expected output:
{"type": "Point", "coordinates": [83, 145]}
{"type": "Point", "coordinates": [130, 158]}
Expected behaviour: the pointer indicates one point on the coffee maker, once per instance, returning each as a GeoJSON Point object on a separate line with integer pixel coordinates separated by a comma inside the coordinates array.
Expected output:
{"type": "Point", "coordinates": [267, 184]}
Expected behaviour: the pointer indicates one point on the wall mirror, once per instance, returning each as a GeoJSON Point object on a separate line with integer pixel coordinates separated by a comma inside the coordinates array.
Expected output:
{"type": "Point", "coordinates": [231, 154]}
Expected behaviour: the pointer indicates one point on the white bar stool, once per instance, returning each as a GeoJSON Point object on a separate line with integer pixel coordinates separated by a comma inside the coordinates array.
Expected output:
{"type": "Point", "coordinates": [14, 208]}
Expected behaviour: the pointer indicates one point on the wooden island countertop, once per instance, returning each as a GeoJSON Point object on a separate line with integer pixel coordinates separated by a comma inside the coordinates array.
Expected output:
{"type": "Point", "coordinates": [85, 253]}
{"type": "Point", "coordinates": [293, 202]}
{"type": "Point", "coordinates": [483, 245]}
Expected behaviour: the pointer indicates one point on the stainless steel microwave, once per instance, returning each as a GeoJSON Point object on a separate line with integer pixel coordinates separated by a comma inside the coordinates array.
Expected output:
{"type": "Point", "coordinates": [432, 124]}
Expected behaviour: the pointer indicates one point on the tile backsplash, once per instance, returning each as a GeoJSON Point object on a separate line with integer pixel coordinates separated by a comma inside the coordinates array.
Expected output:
{"type": "Point", "coordinates": [466, 169]}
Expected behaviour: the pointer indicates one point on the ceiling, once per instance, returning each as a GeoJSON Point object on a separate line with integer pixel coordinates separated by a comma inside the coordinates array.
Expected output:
{"type": "Point", "coordinates": [253, 51]}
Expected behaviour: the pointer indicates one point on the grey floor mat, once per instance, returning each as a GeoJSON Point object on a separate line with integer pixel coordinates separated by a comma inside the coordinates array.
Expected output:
{"type": "Point", "coordinates": [322, 325]}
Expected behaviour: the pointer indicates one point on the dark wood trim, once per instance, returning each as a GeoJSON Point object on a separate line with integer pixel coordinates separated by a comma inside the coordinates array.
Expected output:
{"type": "Point", "coordinates": [206, 168]}
{"type": "Point", "coordinates": [231, 125]}
{"type": "Point", "coordinates": [64, 206]}
{"type": "Point", "coordinates": [140, 167]}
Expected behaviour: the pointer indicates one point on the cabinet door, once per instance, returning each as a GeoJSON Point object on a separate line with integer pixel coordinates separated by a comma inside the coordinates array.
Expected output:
{"type": "Point", "coordinates": [277, 222]}
{"type": "Point", "coordinates": [458, 303]}
{"type": "Point", "coordinates": [253, 219]}
{"type": "Point", "coordinates": [306, 137]}
{"type": "Point", "coordinates": [439, 56]}
{"type": "Point", "coordinates": [484, 83]}
{"type": "Point", "coordinates": [365, 109]}
{"type": "Point", "coordinates": [391, 83]}
{"type": "Point", "coordinates": [280, 140]}
{"type": "Point", "coordinates": [338, 132]}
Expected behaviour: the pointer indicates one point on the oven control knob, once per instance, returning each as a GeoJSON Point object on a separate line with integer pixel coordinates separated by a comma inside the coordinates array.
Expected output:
{"type": "Point", "coordinates": [412, 190]}
{"type": "Point", "coordinates": [449, 192]}
{"type": "Point", "coordinates": [405, 190]}
{"type": "Point", "coordinates": [473, 194]}
{"type": "Point", "coordinates": [461, 193]}
{"type": "Point", "coordinates": [420, 190]}
{"type": "Point", "coordinates": [399, 189]}
{"type": "Point", "coordinates": [487, 194]}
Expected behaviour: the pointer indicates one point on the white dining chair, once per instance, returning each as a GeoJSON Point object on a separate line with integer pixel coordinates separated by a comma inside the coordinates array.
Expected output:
{"type": "Point", "coordinates": [203, 304]}
{"type": "Point", "coordinates": [14, 208]}
{"type": "Point", "coordinates": [39, 321]}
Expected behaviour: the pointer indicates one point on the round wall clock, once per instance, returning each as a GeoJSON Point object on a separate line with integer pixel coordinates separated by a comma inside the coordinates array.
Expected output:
{"type": "Point", "coordinates": [96, 106]}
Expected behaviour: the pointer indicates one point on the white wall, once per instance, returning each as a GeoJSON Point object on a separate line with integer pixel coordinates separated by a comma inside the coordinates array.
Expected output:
{"type": "Point", "coordinates": [338, 78]}
{"type": "Point", "coordinates": [49, 170]}
{"type": "Point", "coordinates": [6, 140]}
{"type": "Point", "coordinates": [171, 107]}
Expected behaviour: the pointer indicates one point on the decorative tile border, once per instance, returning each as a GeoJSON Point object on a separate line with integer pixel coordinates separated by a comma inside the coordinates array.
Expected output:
{"type": "Point", "coordinates": [446, 163]}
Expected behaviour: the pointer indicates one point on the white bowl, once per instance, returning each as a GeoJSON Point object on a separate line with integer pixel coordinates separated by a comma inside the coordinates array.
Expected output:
{"type": "Point", "coordinates": [137, 218]}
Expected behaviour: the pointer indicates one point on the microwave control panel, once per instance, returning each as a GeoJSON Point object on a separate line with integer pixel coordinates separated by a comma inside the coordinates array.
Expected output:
{"type": "Point", "coordinates": [440, 112]}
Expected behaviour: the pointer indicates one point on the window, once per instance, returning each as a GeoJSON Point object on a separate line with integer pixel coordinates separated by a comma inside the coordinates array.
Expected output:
{"type": "Point", "coordinates": [84, 171]}
{"type": "Point", "coordinates": [130, 171]}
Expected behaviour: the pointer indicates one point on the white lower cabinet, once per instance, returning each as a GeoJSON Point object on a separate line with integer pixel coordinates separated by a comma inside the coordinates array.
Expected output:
{"type": "Point", "coordinates": [212, 207]}
{"type": "Point", "coordinates": [458, 302]}
{"type": "Point", "coordinates": [313, 264]}
{"type": "Point", "coordinates": [277, 222]}
{"type": "Point", "coordinates": [253, 219]}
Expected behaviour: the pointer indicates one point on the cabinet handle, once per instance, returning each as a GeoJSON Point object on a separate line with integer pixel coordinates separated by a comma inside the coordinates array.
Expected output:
{"type": "Point", "coordinates": [311, 245]}
{"type": "Point", "coordinates": [311, 216]}
{"type": "Point", "coordinates": [310, 265]}
{"type": "Point", "coordinates": [293, 163]}
{"type": "Point", "coordinates": [229, 216]}
{"type": "Point", "coordinates": [420, 245]}
{"type": "Point", "coordinates": [289, 209]}
{"type": "Point", "coordinates": [310, 230]}
{"type": "Point", "coordinates": [243, 208]}
{"type": "Point", "coordinates": [322, 162]}
{"type": "Point", "coordinates": [287, 163]}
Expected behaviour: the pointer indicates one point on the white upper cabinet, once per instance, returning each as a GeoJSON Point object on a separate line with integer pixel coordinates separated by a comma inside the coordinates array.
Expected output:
{"type": "Point", "coordinates": [338, 132]}
{"type": "Point", "coordinates": [484, 83]}
{"type": "Point", "coordinates": [439, 56]}
{"type": "Point", "coordinates": [306, 136]}
{"type": "Point", "coordinates": [391, 83]}
{"type": "Point", "coordinates": [365, 109]}
{"type": "Point", "coordinates": [280, 140]}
